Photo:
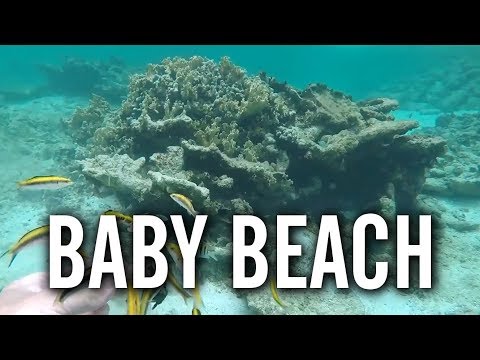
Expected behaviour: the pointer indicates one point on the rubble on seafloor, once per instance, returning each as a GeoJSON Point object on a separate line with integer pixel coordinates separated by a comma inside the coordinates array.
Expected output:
{"type": "Point", "coordinates": [456, 173]}
{"type": "Point", "coordinates": [447, 88]}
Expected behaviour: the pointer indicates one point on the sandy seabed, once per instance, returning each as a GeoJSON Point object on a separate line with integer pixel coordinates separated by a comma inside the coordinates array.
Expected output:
{"type": "Point", "coordinates": [30, 132]}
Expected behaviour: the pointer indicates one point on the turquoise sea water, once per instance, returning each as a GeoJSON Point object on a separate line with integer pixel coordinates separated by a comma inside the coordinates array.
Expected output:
{"type": "Point", "coordinates": [429, 83]}
{"type": "Point", "coordinates": [355, 69]}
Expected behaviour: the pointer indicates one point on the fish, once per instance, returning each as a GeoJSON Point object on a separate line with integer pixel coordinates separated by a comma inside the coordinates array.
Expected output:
{"type": "Point", "coordinates": [158, 298]}
{"type": "Point", "coordinates": [197, 299]}
{"type": "Point", "coordinates": [206, 252]}
{"type": "Point", "coordinates": [147, 296]}
{"type": "Point", "coordinates": [184, 202]}
{"type": "Point", "coordinates": [210, 251]}
{"type": "Point", "coordinates": [119, 215]}
{"type": "Point", "coordinates": [38, 234]}
{"type": "Point", "coordinates": [174, 251]}
{"type": "Point", "coordinates": [124, 219]}
{"type": "Point", "coordinates": [48, 182]}
{"type": "Point", "coordinates": [171, 278]}
{"type": "Point", "coordinates": [128, 219]}
{"type": "Point", "coordinates": [133, 301]}
{"type": "Point", "coordinates": [273, 288]}
{"type": "Point", "coordinates": [195, 311]}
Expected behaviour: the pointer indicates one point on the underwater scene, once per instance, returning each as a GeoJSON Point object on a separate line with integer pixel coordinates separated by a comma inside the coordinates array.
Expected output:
{"type": "Point", "coordinates": [226, 130]}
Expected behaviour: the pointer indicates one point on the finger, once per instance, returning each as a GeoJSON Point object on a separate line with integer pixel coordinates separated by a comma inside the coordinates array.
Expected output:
{"type": "Point", "coordinates": [33, 283]}
{"type": "Point", "coordinates": [103, 311]}
{"type": "Point", "coordinates": [30, 304]}
{"type": "Point", "coordinates": [86, 300]}
{"type": "Point", "coordinates": [14, 293]}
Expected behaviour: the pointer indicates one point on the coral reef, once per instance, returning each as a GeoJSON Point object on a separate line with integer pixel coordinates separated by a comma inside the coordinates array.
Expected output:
{"type": "Point", "coordinates": [448, 88]}
{"type": "Point", "coordinates": [235, 143]}
{"type": "Point", "coordinates": [86, 121]}
{"type": "Point", "coordinates": [456, 173]}
{"type": "Point", "coordinates": [206, 125]}
{"type": "Point", "coordinates": [83, 78]}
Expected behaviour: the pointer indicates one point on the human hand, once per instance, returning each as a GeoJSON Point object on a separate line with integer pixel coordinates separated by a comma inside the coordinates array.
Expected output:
{"type": "Point", "coordinates": [31, 295]}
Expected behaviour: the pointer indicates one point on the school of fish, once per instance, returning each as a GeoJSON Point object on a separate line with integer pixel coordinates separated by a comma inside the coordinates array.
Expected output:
{"type": "Point", "coordinates": [138, 301]}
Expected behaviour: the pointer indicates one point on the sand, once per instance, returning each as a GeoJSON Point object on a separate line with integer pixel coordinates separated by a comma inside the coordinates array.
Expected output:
{"type": "Point", "coordinates": [456, 292]}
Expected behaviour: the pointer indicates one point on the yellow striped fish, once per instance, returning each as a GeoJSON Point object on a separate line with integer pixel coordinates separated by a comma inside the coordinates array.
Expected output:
{"type": "Point", "coordinates": [273, 288]}
{"type": "Point", "coordinates": [184, 202]}
{"type": "Point", "coordinates": [147, 296]}
{"type": "Point", "coordinates": [195, 311]}
{"type": "Point", "coordinates": [128, 219]}
{"type": "Point", "coordinates": [174, 251]}
{"type": "Point", "coordinates": [48, 182]}
{"type": "Point", "coordinates": [133, 301]}
{"type": "Point", "coordinates": [38, 234]}
{"type": "Point", "coordinates": [119, 215]}
{"type": "Point", "coordinates": [125, 219]}
{"type": "Point", "coordinates": [197, 300]}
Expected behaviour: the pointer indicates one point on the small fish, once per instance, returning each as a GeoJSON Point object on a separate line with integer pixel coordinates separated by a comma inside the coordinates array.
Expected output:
{"type": "Point", "coordinates": [158, 298]}
{"type": "Point", "coordinates": [174, 251]}
{"type": "Point", "coordinates": [206, 252]}
{"type": "Point", "coordinates": [125, 218]}
{"type": "Point", "coordinates": [171, 278]}
{"type": "Point", "coordinates": [147, 296]}
{"type": "Point", "coordinates": [48, 182]}
{"type": "Point", "coordinates": [40, 233]}
{"type": "Point", "coordinates": [133, 301]}
{"type": "Point", "coordinates": [209, 251]}
{"type": "Point", "coordinates": [184, 202]}
{"type": "Point", "coordinates": [197, 299]}
{"type": "Point", "coordinates": [273, 288]}
{"type": "Point", "coordinates": [195, 311]}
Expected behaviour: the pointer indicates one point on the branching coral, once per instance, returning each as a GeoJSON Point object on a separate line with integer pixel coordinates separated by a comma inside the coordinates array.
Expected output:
{"type": "Point", "coordinates": [252, 138]}
{"type": "Point", "coordinates": [85, 122]}
{"type": "Point", "coordinates": [222, 135]}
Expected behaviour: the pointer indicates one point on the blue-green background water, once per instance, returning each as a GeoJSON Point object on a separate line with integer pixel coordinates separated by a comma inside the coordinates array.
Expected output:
{"type": "Point", "coordinates": [32, 130]}
{"type": "Point", "coordinates": [356, 70]}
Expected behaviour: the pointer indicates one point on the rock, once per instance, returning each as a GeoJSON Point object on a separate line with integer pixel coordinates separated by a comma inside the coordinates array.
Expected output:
{"type": "Point", "coordinates": [456, 173]}
{"type": "Point", "coordinates": [118, 171]}
{"type": "Point", "coordinates": [169, 184]}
